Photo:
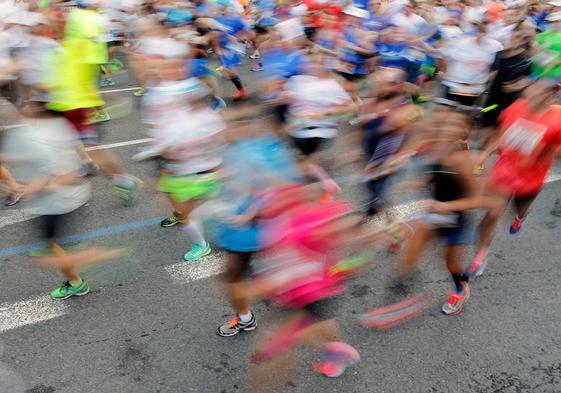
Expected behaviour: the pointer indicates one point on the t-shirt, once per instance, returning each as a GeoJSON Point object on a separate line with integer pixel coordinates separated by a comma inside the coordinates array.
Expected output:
{"type": "Point", "coordinates": [469, 63]}
{"type": "Point", "coordinates": [528, 144]}
{"type": "Point", "coordinates": [551, 42]}
{"type": "Point", "coordinates": [48, 147]}
{"type": "Point", "coordinates": [278, 63]}
{"type": "Point", "coordinates": [413, 23]}
{"type": "Point", "coordinates": [312, 95]}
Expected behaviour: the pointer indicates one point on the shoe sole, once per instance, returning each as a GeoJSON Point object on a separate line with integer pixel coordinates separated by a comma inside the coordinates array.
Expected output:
{"type": "Point", "coordinates": [170, 225]}
{"type": "Point", "coordinates": [74, 294]}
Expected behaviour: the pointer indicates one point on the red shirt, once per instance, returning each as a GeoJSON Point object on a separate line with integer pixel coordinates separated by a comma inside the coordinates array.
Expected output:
{"type": "Point", "coordinates": [528, 145]}
{"type": "Point", "coordinates": [315, 19]}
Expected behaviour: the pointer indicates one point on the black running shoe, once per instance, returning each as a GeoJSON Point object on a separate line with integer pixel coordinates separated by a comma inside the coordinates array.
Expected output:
{"type": "Point", "coordinates": [171, 221]}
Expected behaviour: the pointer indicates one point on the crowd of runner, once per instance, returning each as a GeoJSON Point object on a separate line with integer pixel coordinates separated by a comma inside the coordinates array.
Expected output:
{"type": "Point", "coordinates": [343, 95]}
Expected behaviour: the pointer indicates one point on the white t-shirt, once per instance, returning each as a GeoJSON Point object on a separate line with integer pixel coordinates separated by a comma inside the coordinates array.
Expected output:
{"type": "Point", "coordinates": [311, 95]}
{"type": "Point", "coordinates": [194, 141]}
{"type": "Point", "coordinates": [163, 47]}
{"type": "Point", "coordinates": [47, 147]}
{"type": "Point", "coordinates": [469, 63]}
{"type": "Point", "coordinates": [413, 23]}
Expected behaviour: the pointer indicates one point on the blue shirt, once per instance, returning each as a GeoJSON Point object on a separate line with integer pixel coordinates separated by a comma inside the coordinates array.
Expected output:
{"type": "Point", "coordinates": [278, 63]}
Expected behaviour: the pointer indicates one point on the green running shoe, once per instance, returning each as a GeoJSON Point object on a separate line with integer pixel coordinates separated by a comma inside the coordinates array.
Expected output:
{"type": "Point", "coordinates": [197, 252]}
{"type": "Point", "coordinates": [129, 194]}
{"type": "Point", "coordinates": [67, 290]}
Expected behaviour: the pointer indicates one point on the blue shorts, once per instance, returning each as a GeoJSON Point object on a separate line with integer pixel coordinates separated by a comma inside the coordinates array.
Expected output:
{"type": "Point", "coordinates": [230, 59]}
{"type": "Point", "coordinates": [199, 68]}
{"type": "Point", "coordinates": [457, 236]}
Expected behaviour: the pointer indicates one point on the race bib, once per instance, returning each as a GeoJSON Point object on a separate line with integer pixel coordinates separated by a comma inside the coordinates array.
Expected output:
{"type": "Point", "coordinates": [523, 136]}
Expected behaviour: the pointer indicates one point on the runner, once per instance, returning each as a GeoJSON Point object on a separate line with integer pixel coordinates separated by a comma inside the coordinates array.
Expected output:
{"type": "Point", "coordinates": [528, 139]}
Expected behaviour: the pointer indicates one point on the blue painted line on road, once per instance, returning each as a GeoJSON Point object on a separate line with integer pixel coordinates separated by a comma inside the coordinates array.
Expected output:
{"type": "Point", "coordinates": [101, 232]}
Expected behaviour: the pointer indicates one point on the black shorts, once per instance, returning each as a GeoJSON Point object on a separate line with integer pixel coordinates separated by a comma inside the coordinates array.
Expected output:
{"type": "Point", "coordinates": [280, 112]}
{"type": "Point", "coordinates": [351, 77]}
{"type": "Point", "coordinates": [52, 225]}
{"type": "Point", "coordinates": [308, 146]}
{"type": "Point", "coordinates": [460, 99]}
{"type": "Point", "coordinates": [238, 266]}
{"type": "Point", "coordinates": [310, 32]}
{"type": "Point", "coordinates": [261, 29]}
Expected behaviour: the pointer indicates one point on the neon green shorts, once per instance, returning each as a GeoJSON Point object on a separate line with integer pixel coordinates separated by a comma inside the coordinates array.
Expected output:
{"type": "Point", "coordinates": [187, 187]}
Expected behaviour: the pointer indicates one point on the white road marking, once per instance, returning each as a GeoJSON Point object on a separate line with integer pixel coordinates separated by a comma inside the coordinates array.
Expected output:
{"type": "Point", "coordinates": [119, 90]}
{"type": "Point", "coordinates": [553, 176]}
{"type": "Point", "coordinates": [192, 271]}
{"type": "Point", "coordinates": [13, 216]}
{"type": "Point", "coordinates": [119, 144]}
{"type": "Point", "coordinates": [28, 312]}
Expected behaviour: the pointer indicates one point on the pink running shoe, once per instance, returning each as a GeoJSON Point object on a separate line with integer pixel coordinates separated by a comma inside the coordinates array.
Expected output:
{"type": "Point", "coordinates": [336, 358]}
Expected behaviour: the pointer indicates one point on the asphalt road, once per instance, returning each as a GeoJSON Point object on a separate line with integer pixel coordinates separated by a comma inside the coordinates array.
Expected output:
{"type": "Point", "coordinates": [149, 324]}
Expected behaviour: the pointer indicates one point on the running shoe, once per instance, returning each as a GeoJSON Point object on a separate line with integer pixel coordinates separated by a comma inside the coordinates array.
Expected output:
{"type": "Point", "coordinates": [67, 290]}
{"type": "Point", "coordinates": [88, 168]}
{"type": "Point", "coordinates": [129, 194]}
{"type": "Point", "coordinates": [147, 154]}
{"type": "Point", "coordinates": [257, 68]}
{"type": "Point", "coordinates": [256, 55]}
{"type": "Point", "coordinates": [218, 104]}
{"type": "Point", "coordinates": [99, 116]}
{"type": "Point", "coordinates": [516, 225]}
{"type": "Point", "coordinates": [235, 326]}
{"type": "Point", "coordinates": [240, 95]}
{"type": "Point", "coordinates": [336, 358]}
{"type": "Point", "coordinates": [169, 222]}
{"type": "Point", "coordinates": [106, 82]}
{"type": "Point", "coordinates": [13, 198]}
{"type": "Point", "coordinates": [139, 92]}
{"type": "Point", "coordinates": [477, 267]}
{"type": "Point", "coordinates": [397, 313]}
{"type": "Point", "coordinates": [197, 252]}
{"type": "Point", "coordinates": [456, 301]}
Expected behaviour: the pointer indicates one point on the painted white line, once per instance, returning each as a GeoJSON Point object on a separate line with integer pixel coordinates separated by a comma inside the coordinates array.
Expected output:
{"type": "Point", "coordinates": [119, 90]}
{"type": "Point", "coordinates": [193, 271]}
{"type": "Point", "coordinates": [13, 216]}
{"type": "Point", "coordinates": [553, 176]}
{"type": "Point", "coordinates": [11, 127]}
{"type": "Point", "coordinates": [28, 312]}
{"type": "Point", "coordinates": [119, 144]}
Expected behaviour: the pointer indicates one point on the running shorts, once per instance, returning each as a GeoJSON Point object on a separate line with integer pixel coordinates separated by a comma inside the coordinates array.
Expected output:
{"type": "Point", "coordinates": [187, 187]}
{"type": "Point", "coordinates": [308, 146]}
{"type": "Point", "coordinates": [80, 119]}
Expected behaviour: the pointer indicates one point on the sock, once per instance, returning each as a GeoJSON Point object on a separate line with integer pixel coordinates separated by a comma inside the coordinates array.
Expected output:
{"type": "Point", "coordinates": [458, 279]}
{"type": "Point", "coordinates": [195, 233]}
{"type": "Point", "coordinates": [237, 82]}
{"type": "Point", "coordinates": [245, 318]}
{"type": "Point", "coordinates": [76, 283]}
{"type": "Point", "coordinates": [124, 181]}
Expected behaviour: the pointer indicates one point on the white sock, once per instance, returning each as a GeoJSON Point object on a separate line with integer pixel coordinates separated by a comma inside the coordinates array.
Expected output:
{"type": "Point", "coordinates": [195, 233]}
{"type": "Point", "coordinates": [245, 318]}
